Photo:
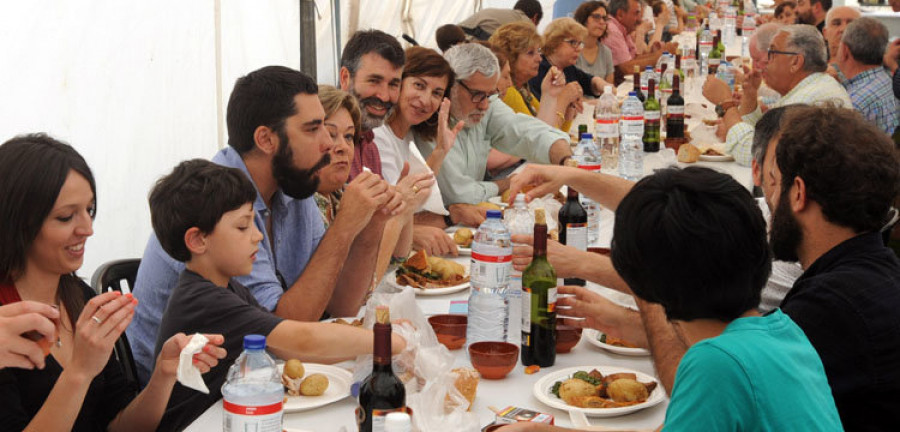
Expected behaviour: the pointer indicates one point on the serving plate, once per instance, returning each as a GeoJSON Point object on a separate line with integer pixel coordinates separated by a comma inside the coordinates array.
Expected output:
{"type": "Point", "coordinates": [593, 337]}
{"type": "Point", "coordinates": [717, 158]}
{"type": "Point", "coordinates": [542, 392]}
{"type": "Point", "coordinates": [339, 382]}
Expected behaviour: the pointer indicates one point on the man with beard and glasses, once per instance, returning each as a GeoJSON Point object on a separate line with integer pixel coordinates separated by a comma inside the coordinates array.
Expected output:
{"type": "Point", "coordinates": [847, 298]}
{"type": "Point", "coordinates": [276, 135]}
{"type": "Point", "coordinates": [489, 123]}
{"type": "Point", "coordinates": [371, 69]}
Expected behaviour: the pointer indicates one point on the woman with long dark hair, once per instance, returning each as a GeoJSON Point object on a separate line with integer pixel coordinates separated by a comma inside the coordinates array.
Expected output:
{"type": "Point", "coordinates": [49, 202]}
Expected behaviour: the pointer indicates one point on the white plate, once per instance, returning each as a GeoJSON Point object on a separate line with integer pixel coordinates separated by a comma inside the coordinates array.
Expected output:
{"type": "Point", "coordinates": [430, 291]}
{"type": "Point", "coordinates": [339, 382]}
{"type": "Point", "coordinates": [592, 337]}
{"type": "Point", "coordinates": [498, 200]}
{"type": "Point", "coordinates": [462, 250]}
{"type": "Point", "coordinates": [717, 158]}
{"type": "Point", "coordinates": [542, 389]}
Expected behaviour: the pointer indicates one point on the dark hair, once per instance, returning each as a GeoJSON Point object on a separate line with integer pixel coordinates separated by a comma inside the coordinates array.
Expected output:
{"type": "Point", "coordinates": [866, 39]}
{"type": "Point", "coordinates": [421, 61]}
{"type": "Point", "coordinates": [826, 4]}
{"type": "Point", "coordinates": [532, 9]}
{"type": "Point", "coordinates": [264, 97]}
{"type": "Point", "coordinates": [584, 11]}
{"type": "Point", "coordinates": [616, 5]}
{"type": "Point", "coordinates": [675, 243]}
{"type": "Point", "coordinates": [367, 41]}
{"type": "Point", "coordinates": [657, 7]}
{"type": "Point", "coordinates": [767, 128]}
{"type": "Point", "coordinates": [195, 194]}
{"type": "Point", "coordinates": [33, 169]}
{"type": "Point", "coordinates": [448, 35]}
{"type": "Point", "coordinates": [779, 9]}
{"type": "Point", "coordinates": [850, 167]}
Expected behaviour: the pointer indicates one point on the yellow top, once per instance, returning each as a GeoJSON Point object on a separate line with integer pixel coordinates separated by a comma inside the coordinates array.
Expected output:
{"type": "Point", "coordinates": [515, 101]}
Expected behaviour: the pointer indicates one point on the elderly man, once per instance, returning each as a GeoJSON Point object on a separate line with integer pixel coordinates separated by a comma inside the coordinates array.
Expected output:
{"type": "Point", "coordinates": [624, 16]}
{"type": "Point", "coordinates": [860, 60]}
{"type": "Point", "coordinates": [795, 69]}
{"type": "Point", "coordinates": [277, 137]}
{"type": "Point", "coordinates": [485, 22]}
{"type": "Point", "coordinates": [813, 12]}
{"type": "Point", "coordinates": [717, 92]}
{"type": "Point", "coordinates": [836, 21]}
{"type": "Point", "coordinates": [489, 123]}
{"type": "Point", "coordinates": [847, 298]}
{"type": "Point", "coordinates": [371, 68]}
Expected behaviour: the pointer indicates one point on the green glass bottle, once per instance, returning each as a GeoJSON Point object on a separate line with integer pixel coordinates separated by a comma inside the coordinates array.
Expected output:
{"type": "Point", "coordinates": [539, 301]}
{"type": "Point", "coordinates": [715, 56]}
{"type": "Point", "coordinates": [651, 120]}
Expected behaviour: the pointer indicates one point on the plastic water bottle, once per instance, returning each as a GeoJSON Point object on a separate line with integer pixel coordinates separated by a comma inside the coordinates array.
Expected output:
{"type": "Point", "coordinates": [631, 150]}
{"type": "Point", "coordinates": [589, 157]}
{"type": "Point", "coordinates": [518, 220]}
{"type": "Point", "coordinates": [606, 129]}
{"type": "Point", "coordinates": [726, 74]}
{"type": "Point", "coordinates": [747, 29]}
{"type": "Point", "coordinates": [705, 46]}
{"type": "Point", "coordinates": [491, 265]}
{"type": "Point", "coordinates": [730, 27]}
{"type": "Point", "coordinates": [253, 393]}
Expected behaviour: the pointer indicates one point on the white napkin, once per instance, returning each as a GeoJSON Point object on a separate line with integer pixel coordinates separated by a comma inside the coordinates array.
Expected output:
{"type": "Point", "coordinates": [435, 203]}
{"type": "Point", "coordinates": [188, 374]}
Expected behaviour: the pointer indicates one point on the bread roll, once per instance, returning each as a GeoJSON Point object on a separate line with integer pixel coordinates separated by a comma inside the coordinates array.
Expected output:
{"type": "Point", "coordinates": [688, 153]}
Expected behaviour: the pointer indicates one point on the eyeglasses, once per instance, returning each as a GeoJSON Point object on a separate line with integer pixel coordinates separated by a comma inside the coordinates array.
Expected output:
{"type": "Point", "coordinates": [770, 54]}
{"type": "Point", "coordinates": [599, 17]}
{"type": "Point", "coordinates": [574, 43]}
{"type": "Point", "coordinates": [477, 96]}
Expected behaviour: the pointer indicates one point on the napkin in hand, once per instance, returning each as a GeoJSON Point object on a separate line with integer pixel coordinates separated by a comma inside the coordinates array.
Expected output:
{"type": "Point", "coordinates": [188, 374]}
{"type": "Point", "coordinates": [434, 204]}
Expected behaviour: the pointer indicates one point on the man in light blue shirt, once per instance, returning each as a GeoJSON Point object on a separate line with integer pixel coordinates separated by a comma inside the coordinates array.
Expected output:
{"type": "Point", "coordinates": [277, 137]}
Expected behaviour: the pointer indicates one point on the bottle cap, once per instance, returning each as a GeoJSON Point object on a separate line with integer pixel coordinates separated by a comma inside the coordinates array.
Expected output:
{"type": "Point", "coordinates": [382, 314]}
{"type": "Point", "coordinates": [254, 342]}
{"type": "Point", "coordinates": [631, 93]}
{"type": "Point", "coordinates": [587, 136]}
{"type": "Point", "coordinates": [520, 197]}
{"type": "Point", "coordinates": [494, 214]}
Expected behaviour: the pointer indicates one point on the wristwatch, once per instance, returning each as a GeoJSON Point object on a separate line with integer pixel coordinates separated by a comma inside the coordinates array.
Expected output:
{"type": "Point", "coordinates": [723, 107]}
{"type": "Point", "coordinates": [448, 221]}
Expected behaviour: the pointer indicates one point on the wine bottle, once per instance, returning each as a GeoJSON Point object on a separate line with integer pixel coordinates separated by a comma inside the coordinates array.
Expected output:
{"type": "Point", "coordinates": [651, 120]}
{"type": "Point", "coordinates": [381, 393]}
{"type": "Point", "coordinates": [675, 117]}
{"type": "Point", "coordinates": [637, 83]}
{"type": "Point", "coordinates": [573, 221]}
{"type": "Point", "coordinates": [539, 301]}
{"type": "Point", "coordinates": [715, 57]}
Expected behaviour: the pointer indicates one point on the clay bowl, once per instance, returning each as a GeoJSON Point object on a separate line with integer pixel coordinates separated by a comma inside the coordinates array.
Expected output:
{"type": "Point", "coordinates": [566, 338]}
{"type": "Point", "coordinates": [493, 359]}
{"type": "Point", "coordinates": [450, 329]}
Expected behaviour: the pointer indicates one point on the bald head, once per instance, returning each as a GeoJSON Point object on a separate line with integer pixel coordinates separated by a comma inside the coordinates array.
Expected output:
{"type": "Point", "coordinates": [836, 21]}
{"type": "Point", "coordinates": [760, 42]}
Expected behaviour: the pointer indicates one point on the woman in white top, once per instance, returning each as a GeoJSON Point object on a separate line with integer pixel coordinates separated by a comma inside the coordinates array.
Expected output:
{"type": "Point", "coordinates": [596, 58]}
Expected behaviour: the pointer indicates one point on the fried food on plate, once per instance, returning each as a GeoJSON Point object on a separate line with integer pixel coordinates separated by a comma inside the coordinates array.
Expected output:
{"type": "Point", "coordinates": [423, 271]}
{"type": "Point", "coordinates": [463, 237]}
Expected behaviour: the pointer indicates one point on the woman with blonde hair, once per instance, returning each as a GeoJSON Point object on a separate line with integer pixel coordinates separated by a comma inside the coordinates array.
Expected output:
{"type": "Point", "coordinates": [563, 42]}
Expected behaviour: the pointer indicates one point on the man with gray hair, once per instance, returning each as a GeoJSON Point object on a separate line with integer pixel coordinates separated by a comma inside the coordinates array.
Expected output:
{"type": "Point", "coordinates": [836, 21]}
{"type": "Point", "coordinates": [489, 123]}
{"type": "Point", "coordinates": [859, 58]}
{"type": "Point", "coordinates": [796, 69]}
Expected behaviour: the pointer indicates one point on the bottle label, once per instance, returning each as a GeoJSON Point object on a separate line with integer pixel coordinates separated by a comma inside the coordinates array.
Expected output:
{"type": "Point", "coordinates": [675, 110]}
{"type": "Point", "coordinates": [713, 61]}
{"type": "Point", "coordinates": [576, 236]}
{"type": "Point", "coordinates": [551, 300]}
{"type": "Point", "coordinates": [257, 418]}
{"type": "Point", "coordinates": [526, 316]}
{"type": "Point", "coordinates": [590, 166]}
{"type": "Point", "coordinates": [607, 128]}
{"type": "Point", "coordinates": [651, 115]}
{"type": "Point", "coordinates": [491, 266]}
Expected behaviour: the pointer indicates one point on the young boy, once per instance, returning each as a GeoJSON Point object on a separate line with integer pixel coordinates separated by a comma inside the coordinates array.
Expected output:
{"type": "Point", "coordinates": [202, 214]}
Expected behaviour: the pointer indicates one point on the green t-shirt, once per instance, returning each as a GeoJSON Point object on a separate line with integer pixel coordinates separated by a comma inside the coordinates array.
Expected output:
{"type": "Point", "coordinates": [760, 374]}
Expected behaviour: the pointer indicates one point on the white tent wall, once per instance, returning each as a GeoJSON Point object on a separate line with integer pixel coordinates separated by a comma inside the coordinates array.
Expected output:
{"type": "Point", "coordinates": [138, 86]}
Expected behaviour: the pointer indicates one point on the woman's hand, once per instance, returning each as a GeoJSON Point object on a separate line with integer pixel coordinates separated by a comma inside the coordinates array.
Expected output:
{"type": "Point", "coordinates": [167, 361]}
{"type": "Point", "coordinates": [100, 324]}
{"type": "Point", "coordinates": [554, 82]}
{"type": "Point", "coordinates": [446, 137]}
{"type": "Point", "coordinates": [16, 319]}
{"type": "Point", "coordinates": [414, 188]}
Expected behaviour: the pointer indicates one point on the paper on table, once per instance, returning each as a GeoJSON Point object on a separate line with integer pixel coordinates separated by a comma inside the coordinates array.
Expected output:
{"type": "Point", "coordinates": [435, 203]}
{"type": "Point", "coordinates": [188, 374]}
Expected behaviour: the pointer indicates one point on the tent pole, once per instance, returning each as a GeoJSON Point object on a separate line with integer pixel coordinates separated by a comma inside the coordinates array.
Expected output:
{"type": "Point", "coordinates": [308, 37]}
{"type": "Point", "coordinates": [336, 31]}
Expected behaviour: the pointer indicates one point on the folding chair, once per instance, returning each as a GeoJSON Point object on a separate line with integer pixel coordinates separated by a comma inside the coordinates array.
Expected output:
{"type": "Point", "coordinates": [110, 277]}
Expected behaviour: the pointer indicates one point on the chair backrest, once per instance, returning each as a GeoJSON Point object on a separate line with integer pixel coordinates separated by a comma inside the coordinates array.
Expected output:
{"type": "Point", "coordinates": [110, 277]}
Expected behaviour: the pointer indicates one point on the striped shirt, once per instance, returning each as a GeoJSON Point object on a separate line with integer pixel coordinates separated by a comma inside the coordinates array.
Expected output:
{"type": "Point", "coordinates": [871, 94]}
{"type": "Point", "coordinates": [817, 87]}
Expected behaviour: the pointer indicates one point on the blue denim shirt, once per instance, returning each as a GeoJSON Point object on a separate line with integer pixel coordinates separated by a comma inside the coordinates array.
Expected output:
{"type": "Point", "coordinates": [297, 229]}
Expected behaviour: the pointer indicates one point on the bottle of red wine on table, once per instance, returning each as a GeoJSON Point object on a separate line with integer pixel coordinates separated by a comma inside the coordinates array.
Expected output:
{"type": "Point", "coordinates": [381, 393]}
{"type": "Point", "coordinates": [573, 221]}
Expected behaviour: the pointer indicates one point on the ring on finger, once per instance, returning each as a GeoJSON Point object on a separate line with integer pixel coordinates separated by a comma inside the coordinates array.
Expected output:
{"type": "Point", "coordinates": [96, 319]}
{"type": "Point", "coordinates": [415, 188]}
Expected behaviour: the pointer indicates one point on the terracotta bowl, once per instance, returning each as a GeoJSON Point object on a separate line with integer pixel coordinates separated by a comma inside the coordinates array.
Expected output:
{"type": "Point", "coordinates": [566, 338]}
{"type": "Point", "coordinates": [493, 359]}
{"type": "Point", "coordinates": [450, 329]}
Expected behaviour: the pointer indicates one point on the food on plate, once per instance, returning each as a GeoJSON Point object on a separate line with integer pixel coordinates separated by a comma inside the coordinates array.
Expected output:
{"type": "Point", "coordinates": [355, 323]}
{"type": "Point", "coordinates": [711, 121]}
{"type": "Point", "coordinates": [614, 341]}
{"type": "Point", "coordinates": [463, 237]}
{"type": "Point", "coordinates": [688, 153]}
{"type": "Point", "coordinates": [467, 383]}
{"type": "Point", "coordinates": [423, 271]}
{"type": "Point", "coordinates": [594, 390]}
{"type": "Point", "coordinates": [314, 385]}
{"type": "Point", "coordinates": [488, 206]}
{"type": "Point", "coordinates": [710, 151]}
{"type": "Point", "coordinates": [293, 368]}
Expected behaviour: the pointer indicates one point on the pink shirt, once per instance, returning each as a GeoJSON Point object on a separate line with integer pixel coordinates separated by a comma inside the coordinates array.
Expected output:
{"type": "Point", "coordinates": [618, 42]}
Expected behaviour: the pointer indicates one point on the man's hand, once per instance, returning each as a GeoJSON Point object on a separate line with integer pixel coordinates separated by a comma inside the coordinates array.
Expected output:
{"type": "Point", "coordinates": [716, 90]}
{"type": "Point", "coordinates": [587, 309]}
{"type": "Point", "coordinates": [366, 194]}
{"type": "Point", "coordinates": [467, 214]}
{"type": "Point", "coordinates": [547, 179]}
{"type": "Point", "coordinates": [433, 240]}
{"type": "Point", "coordinates": [672, 47]}
{"type": "Point", "coordinates": [564, 259]}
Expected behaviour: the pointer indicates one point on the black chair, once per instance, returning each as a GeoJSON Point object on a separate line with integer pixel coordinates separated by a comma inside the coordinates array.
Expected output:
{"type": "Point", "coordinates": [110, 277]}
